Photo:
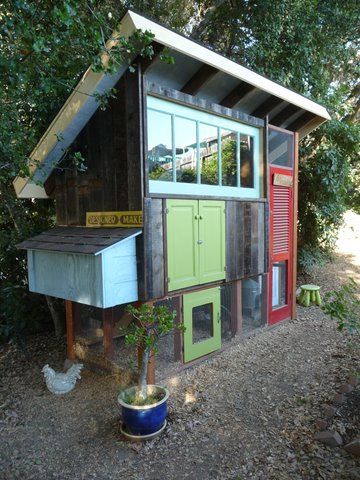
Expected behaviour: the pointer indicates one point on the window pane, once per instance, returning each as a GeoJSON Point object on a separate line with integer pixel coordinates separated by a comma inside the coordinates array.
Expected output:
{"type": "Point", "coordinates": [202, 322]}
{"type": "Point", "coordinates": [281, 148]}
{"type": "Point", "coordinates": [186, 150]}
{"type": "Point", "coordinates": [159, 146]}
{"type": "Point", "coordinates": [279, 284]}
{"type": "Point", "coordinates": [252, 292]}
{"type": "Point", "coordinates": [209, 154]}
{"type": "Point", "coordinates": [228, 157]}
{"type": "Point", "coordinates": [246, 161]}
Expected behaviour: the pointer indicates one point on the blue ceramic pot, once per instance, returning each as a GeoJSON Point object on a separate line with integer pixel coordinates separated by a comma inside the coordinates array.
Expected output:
{"type": "Point", "coordinates": [145, 419]}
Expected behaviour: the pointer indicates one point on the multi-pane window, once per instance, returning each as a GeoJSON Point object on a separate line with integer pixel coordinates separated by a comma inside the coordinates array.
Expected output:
{"type": "Point", "coordinates": [194, 152]}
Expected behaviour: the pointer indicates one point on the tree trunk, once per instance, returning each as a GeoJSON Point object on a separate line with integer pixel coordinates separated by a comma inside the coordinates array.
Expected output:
{"type": "Point", "coordinates": [143, 374]}
{"type": "Point", "coordinates": [56, 317]}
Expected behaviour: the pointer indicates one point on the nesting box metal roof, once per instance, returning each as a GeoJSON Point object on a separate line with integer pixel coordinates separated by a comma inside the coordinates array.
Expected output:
{"type": "Point", "coordinates": [85, 240]}
{"type": "Point", "coordinates": [197, 71]}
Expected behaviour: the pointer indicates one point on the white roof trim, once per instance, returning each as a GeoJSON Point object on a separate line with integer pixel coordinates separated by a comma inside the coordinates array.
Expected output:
{"type": "Point", "coordinates": [192, 49]}
{"type": "Point", "coordinates": [81, 105]}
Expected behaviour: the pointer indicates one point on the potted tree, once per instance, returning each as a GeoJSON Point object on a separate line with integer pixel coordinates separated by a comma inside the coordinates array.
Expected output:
{"type": "Point", "coordinates": [144, 406]}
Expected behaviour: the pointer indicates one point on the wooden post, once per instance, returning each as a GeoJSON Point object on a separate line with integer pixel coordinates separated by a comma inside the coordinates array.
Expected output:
{"type": "Point", "coordinates": [236, 312]}
{"type": "Point", "coordinates": [69, 308]}
{"type": "Point", "coordinates": [108, 330]}
{"type": "Point", "coordinates": [178, 334]}
{"type": "Point", "coordinates": [295, 218]}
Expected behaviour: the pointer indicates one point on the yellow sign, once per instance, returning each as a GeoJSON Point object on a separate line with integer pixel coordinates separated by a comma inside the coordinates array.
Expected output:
{"type": "Point", "coordinates": [283, 180]}
{"type": "Point", "coordinates": [114, 219]}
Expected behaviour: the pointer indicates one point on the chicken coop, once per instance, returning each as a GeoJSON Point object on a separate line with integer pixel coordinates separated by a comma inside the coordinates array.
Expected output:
{"type": "Point", "coordinates": [189, 199]}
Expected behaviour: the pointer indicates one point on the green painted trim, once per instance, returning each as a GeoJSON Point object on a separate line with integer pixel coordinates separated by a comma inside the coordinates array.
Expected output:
{"type": "Point", "coordinates": [191, 300]}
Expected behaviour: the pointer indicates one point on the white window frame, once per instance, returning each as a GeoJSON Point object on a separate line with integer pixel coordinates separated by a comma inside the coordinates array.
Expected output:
{"type": "Point", "coordinates": [181, 188]}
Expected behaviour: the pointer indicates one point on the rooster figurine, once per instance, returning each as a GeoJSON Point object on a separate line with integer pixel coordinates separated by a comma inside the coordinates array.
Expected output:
{"type": "Point", "coordinates": [60, 383]}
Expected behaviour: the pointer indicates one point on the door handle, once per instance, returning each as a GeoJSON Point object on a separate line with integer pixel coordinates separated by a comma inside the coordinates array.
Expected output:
{"type": "Point", "coordinates": [196, 217]}
{"type": "Point", "coordinates": [200, 242]}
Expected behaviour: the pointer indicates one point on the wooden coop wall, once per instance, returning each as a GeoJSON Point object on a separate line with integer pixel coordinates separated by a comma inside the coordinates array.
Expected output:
{"type": "Point", "coordinates": [112, 151]}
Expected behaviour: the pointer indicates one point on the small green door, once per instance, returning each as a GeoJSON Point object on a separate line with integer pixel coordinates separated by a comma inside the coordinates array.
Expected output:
{"type": "Point", "coordinates": [202, 321]}
{"type": "Point", "coordinates": [182, 243]}
{"type": "Point", "coordinates": [211, 241]}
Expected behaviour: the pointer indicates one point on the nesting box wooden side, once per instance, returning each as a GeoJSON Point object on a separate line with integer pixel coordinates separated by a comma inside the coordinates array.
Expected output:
{"type": "Point", "coordinates": [71, 276]}
{"type": "Point", "coordinates": [119, 269]}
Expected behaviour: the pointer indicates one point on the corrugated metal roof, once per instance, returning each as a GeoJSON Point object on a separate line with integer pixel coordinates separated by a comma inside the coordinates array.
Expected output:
{"type": "Point", "coordinates": [84, 240]}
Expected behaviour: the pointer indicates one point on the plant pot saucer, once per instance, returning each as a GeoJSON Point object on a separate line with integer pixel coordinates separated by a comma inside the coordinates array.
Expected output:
{"type": "Point", "coordinates": [140, 438]}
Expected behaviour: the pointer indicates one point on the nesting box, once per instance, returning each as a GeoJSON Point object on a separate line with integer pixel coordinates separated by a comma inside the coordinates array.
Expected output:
{"type": "Point", "coordinates": [94, 267]}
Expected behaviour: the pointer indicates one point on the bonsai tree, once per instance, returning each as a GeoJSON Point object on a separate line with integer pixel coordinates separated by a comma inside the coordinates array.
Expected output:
{"type": "Point", "coordinates": [149, 325]}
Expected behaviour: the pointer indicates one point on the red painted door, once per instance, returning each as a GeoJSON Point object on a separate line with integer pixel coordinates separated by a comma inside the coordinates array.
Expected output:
{"type": "Point", "coordinates": [281, 202]}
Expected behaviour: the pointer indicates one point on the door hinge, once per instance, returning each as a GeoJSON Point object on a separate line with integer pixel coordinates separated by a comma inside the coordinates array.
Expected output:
{"type": "Point", "coordinates": [166, 210]}
{"type": "Point", "coordinates": [168, 280]}
{"type": "Point", "coordinates": [225, 268]}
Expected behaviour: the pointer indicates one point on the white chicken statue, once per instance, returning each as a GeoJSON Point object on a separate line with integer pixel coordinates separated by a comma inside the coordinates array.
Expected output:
{"type": "Point", "coordinates": [60, 383]}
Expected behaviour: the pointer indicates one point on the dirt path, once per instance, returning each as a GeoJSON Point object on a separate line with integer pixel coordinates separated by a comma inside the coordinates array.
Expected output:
{"type": "Point", "coordinates": [249, 413]}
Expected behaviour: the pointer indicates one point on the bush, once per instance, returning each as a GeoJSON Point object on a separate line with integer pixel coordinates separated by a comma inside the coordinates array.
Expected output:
{"type": "Point", "coordinates": [343, 305]}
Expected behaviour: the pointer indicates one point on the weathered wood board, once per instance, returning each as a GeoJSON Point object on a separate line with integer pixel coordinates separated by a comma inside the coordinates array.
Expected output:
{"type": "Point", "coordinates": [246, 239]}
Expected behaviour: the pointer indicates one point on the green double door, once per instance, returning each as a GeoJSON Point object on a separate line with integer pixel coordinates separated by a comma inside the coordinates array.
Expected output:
{"type": "Point", "coordinates": [195, 242]}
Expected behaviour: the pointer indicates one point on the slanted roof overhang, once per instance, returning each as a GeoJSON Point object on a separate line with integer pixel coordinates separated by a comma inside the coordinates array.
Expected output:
{"type": "Point", "coordinates": [81, 104]}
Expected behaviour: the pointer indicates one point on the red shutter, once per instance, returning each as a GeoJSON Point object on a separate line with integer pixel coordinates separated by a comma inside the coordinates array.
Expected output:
{"type": "Point", "coordinates": [281, 219]}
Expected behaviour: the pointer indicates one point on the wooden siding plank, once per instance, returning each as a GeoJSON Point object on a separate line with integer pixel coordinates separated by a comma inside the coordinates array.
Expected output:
{"type": "Point", "coordinates": [240, 240]}
{"type": "Point", "coordinates": [231, 235]}
{"type": "Point", "coordinates": [154, 274]}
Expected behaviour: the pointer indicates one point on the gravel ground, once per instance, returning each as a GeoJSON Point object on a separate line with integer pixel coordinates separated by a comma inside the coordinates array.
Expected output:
{"type": "Point", "coordinates": [248, 413]}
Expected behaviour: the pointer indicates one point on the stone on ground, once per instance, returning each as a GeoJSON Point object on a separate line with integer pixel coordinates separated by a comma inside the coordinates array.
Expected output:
{"type": "Point", "coordinates": [329, 437]}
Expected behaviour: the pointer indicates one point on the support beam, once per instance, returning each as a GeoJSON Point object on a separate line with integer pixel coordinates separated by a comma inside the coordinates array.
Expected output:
{"type": "Point", "coordinates": [108, 330]}
{"type": "Point", "coordinates": [236, 312]}
{"type": "Point", "coordinates": [147, 62]}
{"type": "Point", "coordinates": [267, 107]}
{"type": "Point", "coordinates": [300, 122]}
{"type": "Point", "coordinates": [199, 79]}
{"type": "Point", "coordinates": [239, 92]}
{"type": "Point", "coordinates": [295, 218]}
{"type": "Point", "coordinates": [70, 337]}
{"type": "Point", "coordinates": [178, 334]}
{"type": "Point", "coordinates": [283, 115]}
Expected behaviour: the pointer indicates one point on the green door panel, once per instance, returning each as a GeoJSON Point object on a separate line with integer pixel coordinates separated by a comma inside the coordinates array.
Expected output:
{"type": "Point", "coordinates": [211, 240]}
{"type": "Point", "coordinates": [202, 321]}
{"type": "Point", "coordinates": [182, 243]}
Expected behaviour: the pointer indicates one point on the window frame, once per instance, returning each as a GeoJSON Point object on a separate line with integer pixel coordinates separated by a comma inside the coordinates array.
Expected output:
{"type": "Point", "coordinates": [198, 189]}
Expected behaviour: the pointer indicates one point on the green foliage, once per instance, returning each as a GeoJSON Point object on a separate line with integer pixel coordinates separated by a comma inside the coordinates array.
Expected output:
{"type": "Point", "coordinates": [343, 305]}
{"type": "Point", "coordinates": [311, 47]}
{"type": "Point", "coordinates": [20, 310]}
{"type": "Point", "coordinates": [149, 325]}
{"type": "Point", "coordinates": [45, 47]}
